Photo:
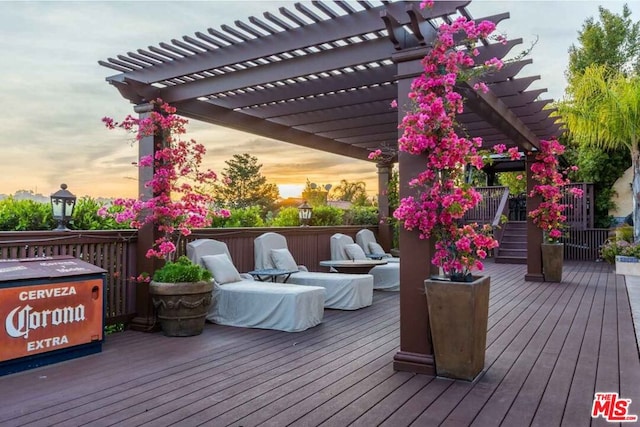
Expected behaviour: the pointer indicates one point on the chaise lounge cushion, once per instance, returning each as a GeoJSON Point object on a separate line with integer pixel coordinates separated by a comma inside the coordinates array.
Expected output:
{"type": "Point", "coordinates": [252, 304]}
{"type": "Point", "coordinates": [343, 291]}
{"type": "Point", "coordinates": [367, 241]}
{"type": "Point", "coordinates": [354, 252]}
{"type": "Point", "coordinates": [283, 260]}
{"type": "Point", "coordinates": [385, 277]}
{"type": "Point", "coordinates": [221, 268]}
{"type": "Point", "coordinates": [376, 249]}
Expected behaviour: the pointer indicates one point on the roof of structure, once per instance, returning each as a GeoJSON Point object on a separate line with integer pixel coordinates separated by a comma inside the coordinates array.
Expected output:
{"type": "Point", "coordinates": [323, 75]}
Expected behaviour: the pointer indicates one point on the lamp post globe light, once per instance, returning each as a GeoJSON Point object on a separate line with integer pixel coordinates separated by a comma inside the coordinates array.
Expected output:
{"type": "Point", "coordinates": [304, 213]}
{"type": "Point", "coordinates": [62, 204]}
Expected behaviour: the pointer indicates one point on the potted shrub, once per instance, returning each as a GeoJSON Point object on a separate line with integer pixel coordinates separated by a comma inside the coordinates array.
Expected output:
{"type": "Point", "coordinates": [624, 253]}
{"type": "Point", "coordinates": [458, 302]}
{"type": "Point", "coordinates": [549, 215]}
{"type": "Point", "coordinates": [180, 202]}
{"type": "Point", "coordinates": [182, 294]}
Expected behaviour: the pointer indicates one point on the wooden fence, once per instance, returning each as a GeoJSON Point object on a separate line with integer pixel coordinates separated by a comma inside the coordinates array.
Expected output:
{"type": "Point", "coordinates": [114, 251]}
{"type": "Point", "coordinates": [580, 213]}
{"type": "Point", "coordinates": [584, 245]}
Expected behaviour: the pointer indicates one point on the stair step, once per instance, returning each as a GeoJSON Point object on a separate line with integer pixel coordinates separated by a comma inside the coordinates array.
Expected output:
{"type": "Point", "coordinates": [512, 245]}
{"type": "Point", "coordinates": [510, 260]}
{"type": "Point", "coordinates": [513, 253]}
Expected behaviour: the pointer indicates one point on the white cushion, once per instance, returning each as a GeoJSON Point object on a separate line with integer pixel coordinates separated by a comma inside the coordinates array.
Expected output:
{"type": "Point", "coordinates": [283, 259]}
{"type": "Point", "coordinates": [376, 249]}
{"type": "Point", "coordinates": [221, 268]}
{"type": "Point", "coordinates": [354, 251]}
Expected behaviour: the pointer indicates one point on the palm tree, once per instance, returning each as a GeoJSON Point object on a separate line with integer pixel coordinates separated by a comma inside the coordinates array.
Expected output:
{"type": "Point", "coordinates": [350, 191]}
{"type": "Point", "coordinates": [604, 111]}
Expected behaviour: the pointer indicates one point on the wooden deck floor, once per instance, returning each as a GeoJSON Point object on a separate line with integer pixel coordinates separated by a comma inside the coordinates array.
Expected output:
{"type": "Point", "coordinates": [549, 348]}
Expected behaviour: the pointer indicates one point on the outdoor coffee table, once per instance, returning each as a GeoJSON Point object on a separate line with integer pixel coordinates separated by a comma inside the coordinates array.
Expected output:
{"type": "Point", "coordinates": [358, 266]}
{"type": "Point", "coordinates": [271, 274]}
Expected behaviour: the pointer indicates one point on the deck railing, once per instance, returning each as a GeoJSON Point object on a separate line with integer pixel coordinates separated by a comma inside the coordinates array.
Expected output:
{"type": "Point", "coordinates": [114, 251]}
{"type": "Point", "coordinates": [485, 211]}
{"type": "Point", "coordinates": [580, 214]}
{"type": "Point", "coordinates": [584, 245]}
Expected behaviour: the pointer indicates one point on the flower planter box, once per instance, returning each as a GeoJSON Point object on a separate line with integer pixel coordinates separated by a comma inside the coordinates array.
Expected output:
{"type": "Point", "coordinates": [627, 265]}
{"type": "Point", "coordinates": [458, 315]}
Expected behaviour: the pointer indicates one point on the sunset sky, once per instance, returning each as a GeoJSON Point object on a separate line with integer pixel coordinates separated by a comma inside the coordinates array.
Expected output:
{"type": "Point", "coordinates": [54, 92]}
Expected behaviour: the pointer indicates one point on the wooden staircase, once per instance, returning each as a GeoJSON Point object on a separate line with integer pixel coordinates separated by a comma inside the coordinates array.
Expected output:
{"type": "Point", "coordinates": [513, 246]}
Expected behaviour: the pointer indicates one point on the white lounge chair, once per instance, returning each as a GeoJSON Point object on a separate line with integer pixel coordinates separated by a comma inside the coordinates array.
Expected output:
{"type": "Point", "coordinates": [343, 291]}
{"type": "Point", "coordinates": [239, 300]}
{"type": "Point", "coordinates": [367, 241]}
{"type": "Point", "coordinates": [386, 277]}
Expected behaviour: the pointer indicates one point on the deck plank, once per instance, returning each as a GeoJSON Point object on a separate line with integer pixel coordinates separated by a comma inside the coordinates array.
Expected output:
{"type": "Point", "coordinates": [550, 346]}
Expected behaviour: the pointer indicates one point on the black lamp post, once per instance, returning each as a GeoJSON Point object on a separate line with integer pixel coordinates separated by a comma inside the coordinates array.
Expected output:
{"type": "Point", "coordinates": [304, 213]}
{"type": "Point", "coordinates": [62, 204]}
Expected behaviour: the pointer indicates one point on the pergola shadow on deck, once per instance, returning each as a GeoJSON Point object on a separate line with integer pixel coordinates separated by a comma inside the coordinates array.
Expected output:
{"type": "Point", "coordinates": [550, 346]}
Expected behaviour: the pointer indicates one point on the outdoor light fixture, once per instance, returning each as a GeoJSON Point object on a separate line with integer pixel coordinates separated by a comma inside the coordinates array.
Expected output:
{"type": "Point", "coordinates": [62, 204]}
{"type": "Point", "coordinates": [304, 213]}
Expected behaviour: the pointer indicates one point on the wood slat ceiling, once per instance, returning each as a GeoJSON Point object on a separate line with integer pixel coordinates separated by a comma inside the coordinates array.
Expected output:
{"type": "Point", "coordinates": [323, 75]}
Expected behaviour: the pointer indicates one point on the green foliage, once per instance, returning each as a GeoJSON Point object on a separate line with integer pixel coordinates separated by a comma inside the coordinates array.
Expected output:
{"type": "Point", "coordinates": [620, 244]}
{"type": "Point", "coordinates": [112, 329]}
{"type": "Point", "coordinates": [243, 185]}
{"type": "Point", "coordinates": [182, 270]}
{"type": "Point", "coordinates": [602, 168]}
{"type": "Point", "coordinates": [245, 217]}
{"type": "Point", "coordinates": [326, 216]}
{"type": "Point", "coordinates": [315, 195]}
{"type": "Point", "coordinates": [624, 232]}
{"type": "Point", "coordinates": [614, 41]}
{"type": "Point", "coordinates": [85, 216]}
{"type": "Point", "coordinates": [361, 215]}
{"type": "Point", "coordinates": [510, 179]}
{"type": "Point", "coordinates": [393, 193]}
{"type": "Point", "coordinates": [25, 215]}
{"type": "Point", "coordinates": [286, 217]}
{"type": "Point", "coordinates": [354, 192]}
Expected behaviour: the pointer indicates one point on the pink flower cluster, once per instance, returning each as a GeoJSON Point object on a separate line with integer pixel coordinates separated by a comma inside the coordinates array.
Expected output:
{"type": "Point", "coordinates": [429, 131]}
{"type": "Point", "coordinates": [179, 203]}
{"type": "Point", "coordinates": [549, 216]}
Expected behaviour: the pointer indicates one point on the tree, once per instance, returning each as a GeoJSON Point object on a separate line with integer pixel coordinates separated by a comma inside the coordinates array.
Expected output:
{"type": "Point", "coordinates": [244, 185]}
{"type": "Point", "coordinates": [613, 41]}
{"type": "Point", "coordinates": [354, 192]}
{"type": "Point", "coordinates": [605, 112]}
{"type": "Point", "coordinates": [315, 195]}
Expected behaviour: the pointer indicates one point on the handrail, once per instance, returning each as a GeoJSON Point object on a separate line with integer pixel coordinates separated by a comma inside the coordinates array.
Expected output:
{"type": "Point", "coordinates": [502, 207]}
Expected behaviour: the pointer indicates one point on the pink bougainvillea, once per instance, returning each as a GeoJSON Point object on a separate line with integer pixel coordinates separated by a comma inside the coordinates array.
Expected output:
{"type": "Point", "coordinates": [179, 203]}
{"type": "Point", "coordinates": [429, 130]}
{"type": "Point", "coordinates": [550, 184]}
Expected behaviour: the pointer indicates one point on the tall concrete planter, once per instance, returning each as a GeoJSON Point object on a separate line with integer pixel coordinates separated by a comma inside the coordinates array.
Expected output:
{"type": "Point", "coordinates": [552, 261]}
{"type": "Point", "coordinates": [181, 308]}
{"type": "Point", "coordinates": [458, 315]}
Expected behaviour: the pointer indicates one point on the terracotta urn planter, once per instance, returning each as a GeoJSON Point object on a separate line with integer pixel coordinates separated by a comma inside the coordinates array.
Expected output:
{"type": "Point", "coordinates": [458, 314]}
{"type": "Point", "coordinates": [552, 260]}
{"type": "Point", "coordinates": [181, 308]}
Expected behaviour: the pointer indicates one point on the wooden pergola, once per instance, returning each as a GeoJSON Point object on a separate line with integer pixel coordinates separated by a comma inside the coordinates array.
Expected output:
{"type": "Point", "coordinates": [323, 75]}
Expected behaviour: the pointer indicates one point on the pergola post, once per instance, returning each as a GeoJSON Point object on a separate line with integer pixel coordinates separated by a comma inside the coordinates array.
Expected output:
{"type": "Point", "coordinates": [145, 317]}
{"type": "Point", "coordinates": [385, 236]}
{"type": "Point", "coordinates": [416, 350]}
{"type": "Point", "coordinates": [534, 235]}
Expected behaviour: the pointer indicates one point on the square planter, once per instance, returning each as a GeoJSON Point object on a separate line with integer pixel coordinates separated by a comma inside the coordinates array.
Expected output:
{"type": "Point", "coordinates": [627, 265]}
{"type": "Point", "coordinates": [458, 315]}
